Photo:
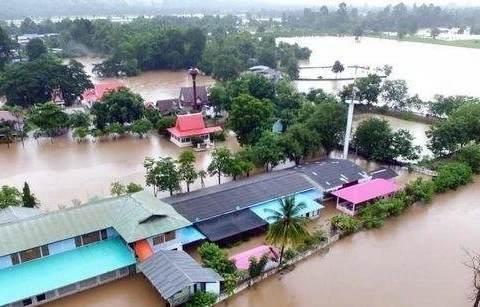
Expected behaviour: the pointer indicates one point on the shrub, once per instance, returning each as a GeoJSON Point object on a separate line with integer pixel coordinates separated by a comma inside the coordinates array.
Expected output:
{"type": "Point", "coordinates": [202, 299]}
{"type": "Point", "coordinates": [452, 175]}
{"type": "Point", "coordinates": [470, 155]}
{"type": "Point", "coordinates": [216, 258]}
{"type": "Point", "coordinates": [132, 187]}
{"type": "Point", "coordinates": [289, 254]}
{"type": "Point", "coordinates": [373, 216]}
{"type": "Point", "coordinates": [256, 266]}
{"type": "Point", "coordinates": [218, 136]}
{"type": "Point", "coordinates": [420, 190]}
{"type": "Point", "coordinates": [346, 223]}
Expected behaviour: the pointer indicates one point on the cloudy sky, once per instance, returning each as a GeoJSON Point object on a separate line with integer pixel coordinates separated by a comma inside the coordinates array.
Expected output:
{"type": "Point", "coordinates": [375, 2]}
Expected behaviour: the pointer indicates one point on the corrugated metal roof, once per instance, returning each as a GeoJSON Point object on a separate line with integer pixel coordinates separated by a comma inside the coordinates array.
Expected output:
{"type": "Point", "coordinates": [333, 173]}
{"type": "Point", "coordinates": [383, 172]}
{"type": "Point", "coordinates": [13, 214]}
{"type": "Point", "coordinates": [232, 196]}
{"type": "Point", "coordinates": [134, 216]}
{"type": "Point", "coordinates": [232, 224]}
{"type": "Point", "coordinates": [172, 271]}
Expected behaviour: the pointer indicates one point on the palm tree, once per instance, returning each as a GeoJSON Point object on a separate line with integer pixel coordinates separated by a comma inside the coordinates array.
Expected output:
{"type": "Point", "coordinates": [288, 227]}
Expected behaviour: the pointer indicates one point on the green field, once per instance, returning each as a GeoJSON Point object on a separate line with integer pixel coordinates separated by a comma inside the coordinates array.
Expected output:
{"type": "Point", "coordinates": [473, 43]}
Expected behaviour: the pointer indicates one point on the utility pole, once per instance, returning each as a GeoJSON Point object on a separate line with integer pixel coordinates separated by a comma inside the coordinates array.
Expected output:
{"type": "Point", "coordinates": [351, 106]}
{"type": "Point", "coordinates": [194, 72]}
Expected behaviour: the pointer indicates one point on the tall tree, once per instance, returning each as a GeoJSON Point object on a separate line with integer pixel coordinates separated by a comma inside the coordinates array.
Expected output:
{"type": "Point", "coordinates": [117, 188]}
{"type": "Point", "coordinates": [288, 227]}
{"type": "Point", "coordinates": [162, 174]}
{"type": "Point", "coordinates": [5, 46]}
{"type": "Point", "coordinates": [221, 162]}
{"type": "Point", "coordinates": [35, 48]}
{"type": "Point", "coordinates": [269, 151]}
{"type": "Point", "coordinates": [301, 142]}
{"type": "Point", "coordinates": [249, 117]}
{"type": "Point", "coordinates": [329, 121]}
{"type": "Point", "coordinates": [28, 198]}
{"type": "Point", "coordinates": [187, 168]}
{"type": "Point", "coordinates": [337, 68]}
{"type": "Point", "coordinates": [122, 105]}
{"type": "Point", "coordinates": [473, 263]}
{"type": "Point", "coordinates": [394, 93]}
{"type": "Point", "coordinates": [49, 118]}
{"type": "Point", "coordinates": [202, 174]}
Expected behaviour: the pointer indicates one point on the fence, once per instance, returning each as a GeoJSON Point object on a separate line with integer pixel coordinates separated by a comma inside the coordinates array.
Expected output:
{"type": "Point", "coordinates": [423, 170]}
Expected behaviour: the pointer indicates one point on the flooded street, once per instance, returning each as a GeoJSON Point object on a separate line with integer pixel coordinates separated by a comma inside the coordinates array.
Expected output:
{"type": "Point", "coordinates": [414, 260]}
{"type": "Point", "coordinates": [65, 170]}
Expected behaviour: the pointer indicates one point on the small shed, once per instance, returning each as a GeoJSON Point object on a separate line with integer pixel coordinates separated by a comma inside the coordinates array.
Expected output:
{"type": "Point", "coordinates": [351, 198]}
{"type": "Point", "coordinates": [177, 276]}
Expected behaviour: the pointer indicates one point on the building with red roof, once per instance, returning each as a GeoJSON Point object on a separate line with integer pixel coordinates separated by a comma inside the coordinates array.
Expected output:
{"type": "Point", "coordinates": [188, 126]}
{"type": "Point", "coordinates": [350, 199]}
{"type": "Point", "coordinates": [93, 95]}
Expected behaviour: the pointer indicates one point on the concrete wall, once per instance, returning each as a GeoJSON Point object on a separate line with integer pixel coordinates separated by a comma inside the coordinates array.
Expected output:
{"type": "Point", "coordinates": [213, 287]}
{"type": "Point", "coordinates": [5, 262]}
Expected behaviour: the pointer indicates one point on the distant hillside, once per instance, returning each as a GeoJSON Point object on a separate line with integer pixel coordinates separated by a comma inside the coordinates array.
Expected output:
{"type": "Point", "coordinates": [19, 9]}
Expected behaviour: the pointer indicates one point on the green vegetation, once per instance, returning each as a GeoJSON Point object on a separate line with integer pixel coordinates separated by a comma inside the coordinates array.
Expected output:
{"type": "Point", "coordinates": [451, 176]}
{"type": "Point", "coordinates": [467, 43]}
{"type": "Point", "coordinates": [49, 118]}
{"type": "Point", "coordinates": [221, 162]}
{"type": "Point", "coordinates": [202, 299]}
{"type": "Point", "coordinates": [256, 266]}
{"type": "Point", "coordinates": [287, 229]}
{"type": "Point", "coordinates": [345, 223]}
{"type": "Point", "coordinates": [35, 48]}
{"type": "Point", "coordinates": [11, 196]}
{"type": "Point", "coordinates": [187, 167]}
{"type": "Point", "coordinates": [162, 175]}
{"type": "Point", "coordinates": [28, 198]}
{"type": "Point", "coordinates": [117, 188]}
{"type": "Point", "coordinates": [375, 139]}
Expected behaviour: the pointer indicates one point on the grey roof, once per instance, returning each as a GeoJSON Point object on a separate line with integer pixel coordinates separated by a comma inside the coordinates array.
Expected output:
{"type": "Point", "coordinates": [171, 271]}
{"type": "Point", "coordinates": [229, 225]}
{"type": "Point", "coordinates": [383, 173]}
{"type": "Point", "coordinates": [333, 173]}
{"type": "Point", "coordinates": [186, 95]}
{"type": "Point", "coordinates": [232, 196]}
{"type": "Point", "coordinates": [134, 216]}
{"type": "Point", "coordinates": [166, 106]}
{"type": "Point", "coordinates": [14, 214]}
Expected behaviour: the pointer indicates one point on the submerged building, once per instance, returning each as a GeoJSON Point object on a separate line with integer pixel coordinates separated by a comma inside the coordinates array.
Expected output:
{"type": "Point", "coordinates": [50, 255]}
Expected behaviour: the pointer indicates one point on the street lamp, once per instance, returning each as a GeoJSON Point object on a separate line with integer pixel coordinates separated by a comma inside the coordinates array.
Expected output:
{"type": "Point", "coordinates": [194, 72]}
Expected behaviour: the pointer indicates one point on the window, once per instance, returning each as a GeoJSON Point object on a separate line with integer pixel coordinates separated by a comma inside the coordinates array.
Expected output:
{"type": "Point", "coordinates": [308, 214]}
{"type": "Point", "coordinates": [78, 241]}
{"type": "Point", "coordinates": [158, 239]}
{"type": "Point", "coordinates": [170, 236]}
{"type": "Point", "coordinates": [103, 234]}
{"type": "Point", "coordinates": [45, 251]}
{"type": "Point", "coordinates": [30, 254]}
{"type": "Point", "coordinates": [27, 302]}
{"type": "Point", "coordinates": [15, 259]}
{"type": "Point", "coordinates": [91, 238]}
{"type": "Point", "coordinates": [41, 297]}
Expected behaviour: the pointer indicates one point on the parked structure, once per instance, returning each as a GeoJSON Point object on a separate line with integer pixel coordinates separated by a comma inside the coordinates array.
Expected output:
{"type": "Point", "coordinates": [176, 276]}
{"type": "Point", "coordinates": [350, 199]}
{"type": "Point", "coordinates": [188, 126]}
{"type": "Point", "coordinates": [46, 256]}
{"type": "Point", "coordinates": [91, 96]}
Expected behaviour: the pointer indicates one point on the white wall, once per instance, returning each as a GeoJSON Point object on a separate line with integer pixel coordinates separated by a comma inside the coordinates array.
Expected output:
{"type": "Point", "coordinates": [213, 287]}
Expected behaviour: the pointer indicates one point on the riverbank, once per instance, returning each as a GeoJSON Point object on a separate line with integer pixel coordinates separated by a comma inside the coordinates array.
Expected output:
{"type": "Point", "coordinates": [472, 43]}
{"type": "Point", "coordinates": [403, 115]}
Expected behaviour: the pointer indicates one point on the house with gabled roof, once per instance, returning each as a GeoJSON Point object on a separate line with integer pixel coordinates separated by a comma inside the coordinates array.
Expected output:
{"type": "Point", "coordinates": [50, 255]}
{"type": "Point", "coordinates": [95, 94]}
{"type": "Point", "coordinates": [188, 126]}
{"type": "Point", "coordinates": [186, 99]}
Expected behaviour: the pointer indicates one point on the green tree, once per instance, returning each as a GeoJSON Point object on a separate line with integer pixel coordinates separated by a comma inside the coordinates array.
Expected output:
{"type": "Point", "coordinates": [394, 93]}
{"type": "Point", "coordinates": [443, 106]}
{"type": "Point", "coordinates": [187, 168]}
{"type": "Point", "coordinates": [114, 129]}
{"type": "Point", "coordinates": [79, 119]}
{"type": "Point", "coordinates": [117, 188]}
{"type": "Point", "coordinates": [249, 117]}
{"type": "Point", "coordinates": [269, 151]}
{"type": "Point", "coordinates": [288, 228]}
{"type": "Point", "coordinates": [28, 198]}
{"type": "Point", "coordinates": [122, 105]}
{"type": "Point", "coordinates": [451, 176]}
{"type": "Point", "coordinates": [10, 196]}
{"type": "Point", "coordinates": [329, 121]}
{"type": "Point", "coordinates": [337, 68]}
{"type": "Point", "coordinates": [162, 174]}
{"type": "Point", "coordinates": [49, 118]}
{"type": "Point", "coordinates": [367, 89]}
{"type": "Point", "coordinates": [301, 142]}
{"type": "Point", "coordinates": [141, 127]}
{"type": "Point", "coordinates": [6, 132]}
{"type": "Point", "coordinates": [226, 67]}
{"type": "Point", "coordinates": [5, 47]}
{"type": "Point", "coordinates": [35, 48]}
{"type": "Point", "coordinates": [164, 123]}
{"type": "Point", "coordinates": [215, 258]}
{"type": "Point", "coordinates": [256, 266]}
{"type": "Point", "coordinates": [221, 162]}
{"type": "Point", "coordinates": [202, 174]}
{"type": "Point", "coordinates": [375, 139]}
{"type": "Point", "coordinates": [345, 223]}
{"type": "Point", "coordinates": [470, 155]}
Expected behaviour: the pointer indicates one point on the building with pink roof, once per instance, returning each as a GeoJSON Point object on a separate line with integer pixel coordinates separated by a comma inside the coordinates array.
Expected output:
{"type": "Point", "coordinates": [242, 260]}
{"type": "Point", "coordinates": [351, 198]}
{"type": "Point", "coordinates": [95, 94]}
{"type": "Point", "coordinates": [188, 126]}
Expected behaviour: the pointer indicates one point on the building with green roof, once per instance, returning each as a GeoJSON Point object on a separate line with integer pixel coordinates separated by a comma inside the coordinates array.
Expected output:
{"type": "Point", "coordinates": [49, 255]}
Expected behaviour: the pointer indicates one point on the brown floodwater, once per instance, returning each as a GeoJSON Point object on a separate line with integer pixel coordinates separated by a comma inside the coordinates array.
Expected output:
{"type": "Point", "coordinates": [65, 170]}
{"type": "Point", "coordinates": [414, 260]}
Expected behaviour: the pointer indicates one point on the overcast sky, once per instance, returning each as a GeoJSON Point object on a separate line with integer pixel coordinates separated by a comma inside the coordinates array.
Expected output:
{"type": "Point", "coordinates": [375, 2]}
